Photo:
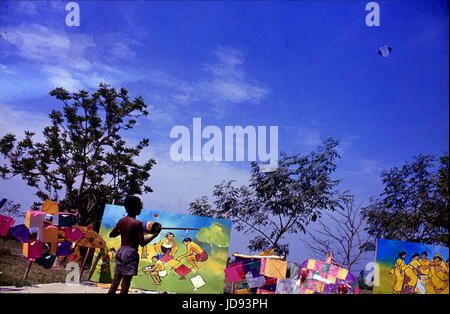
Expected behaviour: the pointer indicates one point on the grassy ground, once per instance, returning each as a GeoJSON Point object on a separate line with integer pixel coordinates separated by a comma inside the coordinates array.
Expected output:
{"type": "Point", "coordinates": [12, 268]}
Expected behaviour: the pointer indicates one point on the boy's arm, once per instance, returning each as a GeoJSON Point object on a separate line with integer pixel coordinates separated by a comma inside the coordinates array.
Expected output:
{"type": "Point", "coordinates": [115, 232]}
{"type": "Point", "coordinates": [144, 241]}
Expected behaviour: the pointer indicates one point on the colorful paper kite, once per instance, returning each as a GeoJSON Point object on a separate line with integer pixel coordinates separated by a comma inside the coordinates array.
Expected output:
{"type": "Point", "coordinates": [182, 270]}
{"type": "Point", "coordinates": [5, 223]}
{"type": "Point", "coordinates": [90, 239]}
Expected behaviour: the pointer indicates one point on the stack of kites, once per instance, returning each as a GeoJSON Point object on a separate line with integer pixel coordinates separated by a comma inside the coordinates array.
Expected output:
{"type": "Point", "coordinates": [260, 275]}
{"type": "Point", "coordinates": [56, 237]}
{"type": "Point", "coordinates": [325, 278]}
{"type": "Point", "coordinates": [266, 275]}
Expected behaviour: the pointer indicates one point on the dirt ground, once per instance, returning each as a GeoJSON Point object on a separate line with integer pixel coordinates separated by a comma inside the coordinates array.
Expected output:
{"type": "Point", "coordinates": [61, 288]}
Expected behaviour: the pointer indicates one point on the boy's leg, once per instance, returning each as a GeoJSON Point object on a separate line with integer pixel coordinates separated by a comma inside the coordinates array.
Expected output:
{"type": "Point", "coordinates": [153, 275]}
{"type": "Point", "coordinates": [115, 283]}
{"type": "Point", "coordinates": [155, 278]}
{"type": "Point", "coordinates": [126, 282]}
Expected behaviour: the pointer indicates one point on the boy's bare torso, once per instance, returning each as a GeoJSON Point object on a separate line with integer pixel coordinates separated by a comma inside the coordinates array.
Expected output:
{"type": "Point", "coordinates": [131, 232]}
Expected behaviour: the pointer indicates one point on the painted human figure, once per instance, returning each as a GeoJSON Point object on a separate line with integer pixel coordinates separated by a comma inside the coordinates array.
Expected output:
{"type": "Point", "coordinates": [194, 253]}
{"type": "Point", "coordinates": [437, 282]}
{"type": "Point", "coordinates": [411, 275]}
{"type": "Point", "coordinates": [399, 272]}
{"type": "Point", "coordinates": [424, 264]}
{"type": "Point", "coordinates": [157, 271]}
{"type": "Point", "coordinates": [167, 245]}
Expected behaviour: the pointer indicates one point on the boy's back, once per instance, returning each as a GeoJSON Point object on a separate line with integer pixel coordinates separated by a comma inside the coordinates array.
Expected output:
{"type": "Point", "coordinates": [131, 232]}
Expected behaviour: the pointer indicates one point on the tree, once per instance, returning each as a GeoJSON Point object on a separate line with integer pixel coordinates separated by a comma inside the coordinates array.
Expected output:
{"type": "Point", "coordinates": [278, 203]}
{"type": "Point", "coordinates": [344, 236]}
{"type": "Point", "coordinates": [82, 161]}
{"type": "Point", "coordinates": [12, 210]}
{"type": "Point", "coordinates": [414, 203]}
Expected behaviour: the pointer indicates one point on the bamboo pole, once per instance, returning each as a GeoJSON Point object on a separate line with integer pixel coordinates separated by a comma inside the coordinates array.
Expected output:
{"type": "Point", "coordinates": [175, 228]}
{"type": "Point", "coordinates": [27, 270]}
{"type": "Point", "coordinates": [259, 256]}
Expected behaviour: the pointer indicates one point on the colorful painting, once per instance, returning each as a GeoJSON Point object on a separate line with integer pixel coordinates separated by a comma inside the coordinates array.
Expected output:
{"type": "Point", "coordinates": [176, 271]}
{"type": "Point", "coordinates": [411, 268]}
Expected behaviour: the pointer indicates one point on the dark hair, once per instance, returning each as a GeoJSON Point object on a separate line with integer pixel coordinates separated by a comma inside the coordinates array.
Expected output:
{"type": "Point", "coordinates": [438, 256]}
{"type": "Point", "coordinates": [132, 204]}
{"type": "Point", "coordinates": [401, 253]}
{"type": "Point", "coordinates": [414, 255]}
{"type": "Point", "coordinates": [424, 253]}
{"type": "Point", "coordinates": [156, 256]}
{"type": "Point", "coordinates": [187, 240]}
{"type": "Point", "coordinates": [168, 234]}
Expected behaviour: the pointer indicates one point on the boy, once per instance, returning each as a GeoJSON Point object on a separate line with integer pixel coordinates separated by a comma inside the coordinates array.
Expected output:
{"type": "Point", "coordinates": [157, 271]}
{"type": "Point", "coordinates": [132, 235]}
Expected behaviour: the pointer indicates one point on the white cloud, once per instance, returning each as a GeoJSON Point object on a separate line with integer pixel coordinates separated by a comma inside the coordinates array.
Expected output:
{"type": "Point", "coordinates": [227, 65]}
{"type": "Point", "coordinates": [363, 168]}
{"type": "Point", "coordinates": [227, 83]}
{"type": "Point", "coordinates": [44, 45]}
{"type": "Point", "coordinates": [346, 144]}
{"type": "Point", "coordinates": [221, 85]}
{"type": "Point", "coordinates": [17, 121]}
{"type": "Point", "coordinates": [5, 69]}
{"type": "Point", "coordinates": [61, 77]}
{"type": "Point", "coordinates": [309, 137]}
{"type": "Point", "coordinates": [68, 60]}
{"type": "Point", "coordinates": [369, 166]}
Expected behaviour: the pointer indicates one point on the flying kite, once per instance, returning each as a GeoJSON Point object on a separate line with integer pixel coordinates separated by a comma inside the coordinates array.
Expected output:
{"type": "Point", "coordinates": [384, 51]}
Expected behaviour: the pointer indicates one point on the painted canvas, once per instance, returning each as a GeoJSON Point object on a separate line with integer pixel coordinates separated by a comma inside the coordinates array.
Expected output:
{"type": "Point", "coordinates": [178, 273]}
{"type": "Point", "coordinates": [411, 268]}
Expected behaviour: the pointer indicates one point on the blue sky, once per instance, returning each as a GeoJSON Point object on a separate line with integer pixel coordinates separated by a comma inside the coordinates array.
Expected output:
{"type": "Point", "coordinates": [309, 67]}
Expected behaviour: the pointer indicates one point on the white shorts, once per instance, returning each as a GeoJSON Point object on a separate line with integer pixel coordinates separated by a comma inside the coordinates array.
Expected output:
{"type": "Point", "coordinates": [162, 273]}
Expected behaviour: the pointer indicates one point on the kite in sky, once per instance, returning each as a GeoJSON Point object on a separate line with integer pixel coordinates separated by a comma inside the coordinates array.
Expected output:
{"type": "Point", "coordinates": [384, 51]}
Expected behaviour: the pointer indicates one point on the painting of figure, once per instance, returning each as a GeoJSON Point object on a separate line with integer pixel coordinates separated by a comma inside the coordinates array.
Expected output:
{"type": "Point", "coordinates": [405, 268]}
